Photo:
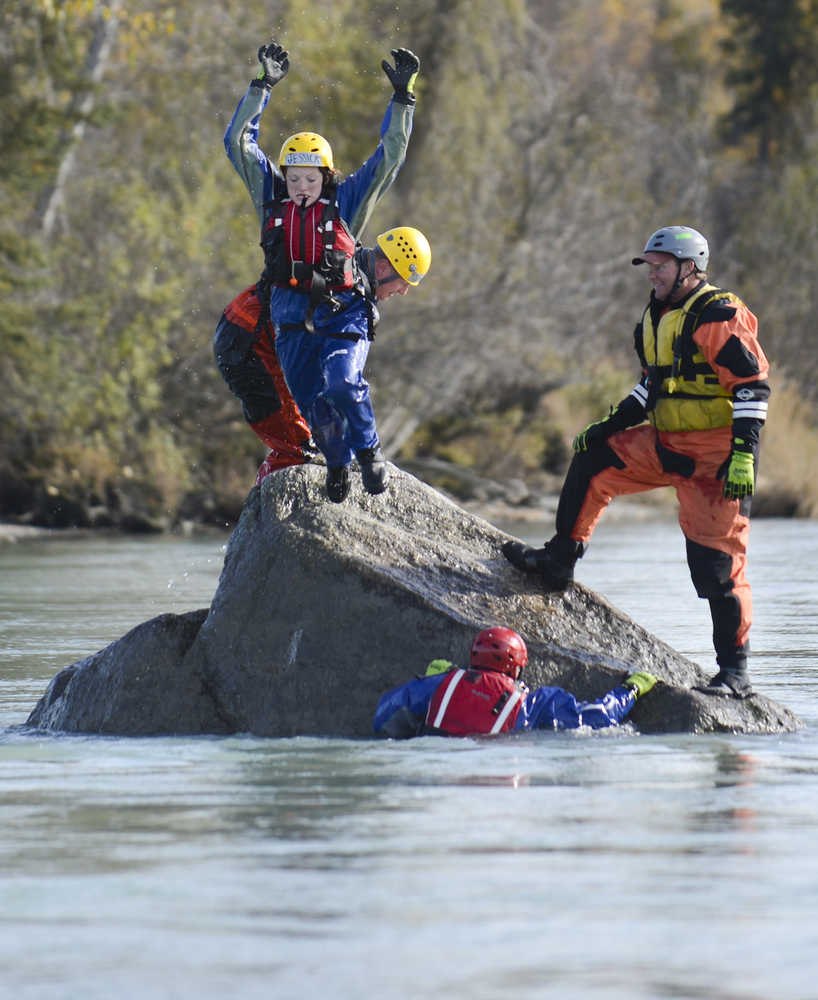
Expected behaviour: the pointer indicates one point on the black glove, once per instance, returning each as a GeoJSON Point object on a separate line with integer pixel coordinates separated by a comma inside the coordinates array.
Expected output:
{"type": "Point", "coordinates": [274, 64]}
{"type": "Point", "coordinates": [628, 413]}
{"type": "Point", "coordinates": [402, 75]}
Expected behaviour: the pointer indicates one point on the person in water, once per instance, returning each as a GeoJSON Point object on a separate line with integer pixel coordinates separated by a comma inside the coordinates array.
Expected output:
{"type": "Point", "coordinates": [488, 697]}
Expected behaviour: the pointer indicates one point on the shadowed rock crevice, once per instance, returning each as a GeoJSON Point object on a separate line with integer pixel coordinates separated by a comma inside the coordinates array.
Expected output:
{"type": "Point", "coordinates": [321, 607]}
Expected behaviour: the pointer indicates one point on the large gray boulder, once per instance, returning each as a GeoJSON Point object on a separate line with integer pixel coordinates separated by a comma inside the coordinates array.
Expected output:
{"type": "Point", "coordinates": [140, 685]}
{"type": "Point", "coordinates": [322, 607]}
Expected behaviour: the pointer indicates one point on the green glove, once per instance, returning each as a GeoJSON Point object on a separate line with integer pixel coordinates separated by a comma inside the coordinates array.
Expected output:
{"type": "Point", "coordinates": [740, 479]}
{"type": "Point", "coordinates": [640, 683]}
{"type": "Point", "coordinates": [274, 63]}
{"type": "Point", "coordinates": [402, 75]}
{"type": "Point", "coordinates": [438, 667]}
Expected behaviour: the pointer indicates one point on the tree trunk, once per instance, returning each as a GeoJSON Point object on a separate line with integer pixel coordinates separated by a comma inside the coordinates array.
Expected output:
{"type": "Point", "coordinates": [98, 54]}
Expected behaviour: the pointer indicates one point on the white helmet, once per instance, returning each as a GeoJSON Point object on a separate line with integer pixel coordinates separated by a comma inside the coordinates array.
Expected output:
{"type": "Point", "coordinates": [681, 241]}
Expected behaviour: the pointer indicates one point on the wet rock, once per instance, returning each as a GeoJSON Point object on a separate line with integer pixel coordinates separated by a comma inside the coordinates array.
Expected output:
{"type": "Point", "coordinates": [321, 607]}
{"type": "Point", "coordinates": [140, 685]}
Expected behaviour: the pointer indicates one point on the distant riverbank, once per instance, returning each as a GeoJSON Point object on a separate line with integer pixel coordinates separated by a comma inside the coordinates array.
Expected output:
{"type": "Point", "coordinates": [495, 509]}
{"type": "Point", "coordinates": [23, 532]}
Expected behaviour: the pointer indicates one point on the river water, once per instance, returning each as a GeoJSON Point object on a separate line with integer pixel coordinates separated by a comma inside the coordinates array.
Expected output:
{"type": "Point", "coordinates": [575, 865]}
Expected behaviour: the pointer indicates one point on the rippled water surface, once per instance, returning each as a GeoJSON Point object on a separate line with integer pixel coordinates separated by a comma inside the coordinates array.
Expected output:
{"type": "Point", "coordinates": [577, 865]}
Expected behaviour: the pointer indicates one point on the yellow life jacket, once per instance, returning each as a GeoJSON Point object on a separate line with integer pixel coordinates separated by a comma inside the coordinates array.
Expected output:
{"type": "Point", "coordinates": [685, 392]}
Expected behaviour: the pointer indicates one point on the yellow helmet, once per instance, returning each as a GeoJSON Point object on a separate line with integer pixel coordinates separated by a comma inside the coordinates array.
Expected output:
{"type": "Point", "coordinates": [408, 251]}
{"type": "Point", "coordinates": [305, 149]}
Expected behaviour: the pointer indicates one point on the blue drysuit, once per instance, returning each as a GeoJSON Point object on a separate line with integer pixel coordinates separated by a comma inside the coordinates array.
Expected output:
{"type": "Point", "coordinates": [324, 371]}
{"type": "Point", "coordinates": [401, 712]}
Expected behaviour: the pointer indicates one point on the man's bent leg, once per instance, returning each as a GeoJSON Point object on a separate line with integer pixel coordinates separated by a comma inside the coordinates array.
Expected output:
{"type": "Point", "coordinates": [243, 372]}
{"type": "Point", "coordinates": [293, 428]}
{"type": "Point", "coordinates": [626, 463]}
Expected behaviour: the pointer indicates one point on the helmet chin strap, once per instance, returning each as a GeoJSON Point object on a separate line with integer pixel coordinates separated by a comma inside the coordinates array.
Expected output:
{"type": "Point", "coordinates": [393, 276]}
{"type": "Point", "coordinates": [677, 284]}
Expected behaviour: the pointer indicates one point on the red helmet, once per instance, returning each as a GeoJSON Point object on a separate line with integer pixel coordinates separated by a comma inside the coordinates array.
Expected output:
{"type": "Point", "coordinates": [499, 649]}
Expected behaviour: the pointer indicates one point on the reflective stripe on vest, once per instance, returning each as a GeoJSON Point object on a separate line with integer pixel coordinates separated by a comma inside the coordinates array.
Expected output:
{"type": "Point", "coordinates": [472, 702]}
{"type": "Point", "coordinates": [501, 718]}
{"type": "Point", "coordinates": [454, 680]}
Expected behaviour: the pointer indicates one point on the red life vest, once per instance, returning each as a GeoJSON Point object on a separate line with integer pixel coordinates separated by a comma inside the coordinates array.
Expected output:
{"type": "Point", "coordinates": [467, 702]}
{"type": "Point", "coordinates": [310, 249]}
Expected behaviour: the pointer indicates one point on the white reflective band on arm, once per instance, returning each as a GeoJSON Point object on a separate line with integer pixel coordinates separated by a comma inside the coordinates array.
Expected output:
{"type": "Point", "coordinates": [455, 680]}
{"type": "Point", "coordinates": [501, 718]}
{"type": "Point", "coordinates": [640, 393]}
{"type": "Point", "coordinates": [752, 408]}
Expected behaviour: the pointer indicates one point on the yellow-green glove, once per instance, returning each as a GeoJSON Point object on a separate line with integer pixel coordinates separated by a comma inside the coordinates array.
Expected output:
{"type": "Point", "coordinates": [640, 683]}
{"type": "Point", "coordinates": [438, 667]}
{"type": "Point", "coordinates": [740, 479]}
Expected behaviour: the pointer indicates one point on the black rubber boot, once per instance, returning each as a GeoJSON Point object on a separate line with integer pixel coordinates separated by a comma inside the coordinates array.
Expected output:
{"type": "Point", "coordinates": [311, 452]}
{"type": "Point", "coordinates": [337, 483]}
{"type": "Point", "coordinates": [374, 473]}
{"type": "Point", "coordinates": [729, 682]}
{"type": "Point", "coordinates": [554, 562]}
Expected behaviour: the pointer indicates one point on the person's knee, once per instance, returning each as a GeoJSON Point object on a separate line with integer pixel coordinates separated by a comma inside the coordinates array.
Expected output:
{"type": "Point", "coordinates": [343, 390]}
{"type": "Point", "coordinates": [710, 570]}
{"type": "Point", "coordinates": [260, 406]}
{"type": "Point", "coordinates": [231, 346]}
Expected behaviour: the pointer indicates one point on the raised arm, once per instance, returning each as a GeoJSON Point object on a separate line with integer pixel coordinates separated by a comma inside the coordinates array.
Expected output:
{"type": "Point", "coordinates": [241, 138]}
{"type": "Point", "coordinates": [359, 193]}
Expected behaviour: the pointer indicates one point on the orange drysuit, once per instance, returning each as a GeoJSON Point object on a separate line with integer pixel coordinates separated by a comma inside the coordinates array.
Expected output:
{"type": "Point", "coordinates": [722, 379]}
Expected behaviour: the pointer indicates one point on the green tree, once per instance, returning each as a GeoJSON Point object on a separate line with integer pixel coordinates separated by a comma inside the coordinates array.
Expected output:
{"type": "Point", "coordinates": [771, 67]}
{"type": "Point", "coordinates": [551, 136]}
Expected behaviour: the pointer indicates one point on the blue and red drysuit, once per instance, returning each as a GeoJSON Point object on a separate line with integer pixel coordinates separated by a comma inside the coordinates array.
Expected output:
{"type": "Point", "coordinates": [324, 369]}
{"type": "Point", "coordinates": [401, 713]}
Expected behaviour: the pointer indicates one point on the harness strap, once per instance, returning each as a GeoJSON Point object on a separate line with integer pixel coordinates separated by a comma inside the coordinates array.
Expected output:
{"type": "Point", "coordinates": [342, 335]}
{"type": "Point", "coordinates": [318, 294]}
{"type": "Point", "coordinates": [369, 298]}
{"type": "Point", "coordinates": [685, 346]}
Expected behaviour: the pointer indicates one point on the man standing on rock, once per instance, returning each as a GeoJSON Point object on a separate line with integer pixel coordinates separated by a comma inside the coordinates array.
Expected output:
{"type": "Point", "coordinates": [704, 394]}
